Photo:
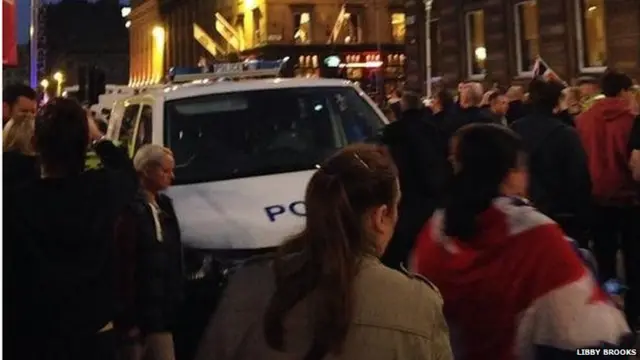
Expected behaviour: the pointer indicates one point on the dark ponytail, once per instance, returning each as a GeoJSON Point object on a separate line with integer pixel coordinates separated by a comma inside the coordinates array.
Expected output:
{"type": "Point", "coordinates": [323, 260]}
{"type": "Point", "coordinates": [485, 153]}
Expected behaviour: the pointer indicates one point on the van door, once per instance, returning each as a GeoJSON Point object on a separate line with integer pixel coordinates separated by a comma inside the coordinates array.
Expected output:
{"type": "Point", "coordinates": [126, 132]}
{"type": "Point", "coordinates": [143, 130]}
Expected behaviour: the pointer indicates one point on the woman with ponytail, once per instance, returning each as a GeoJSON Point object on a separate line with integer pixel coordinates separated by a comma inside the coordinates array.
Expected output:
{"type": "Point", "coordinates": [513, 286]}
{"type": "Point", "coordinates": [325, 294]}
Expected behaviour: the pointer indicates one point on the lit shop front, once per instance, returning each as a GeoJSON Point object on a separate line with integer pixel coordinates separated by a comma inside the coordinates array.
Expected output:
{"type": "Point", "coordinates": [370, 65]}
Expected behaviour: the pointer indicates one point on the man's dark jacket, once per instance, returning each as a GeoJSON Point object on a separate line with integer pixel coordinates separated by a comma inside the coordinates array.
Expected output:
{"type": "Point", "coordinates": [58, 235]}
{"type": "Point", "coordinates": [559, 185]}
{"type": "Point", "coordinates": [417, 149]}
{"type": "Point", "coordinates": [150, 268]}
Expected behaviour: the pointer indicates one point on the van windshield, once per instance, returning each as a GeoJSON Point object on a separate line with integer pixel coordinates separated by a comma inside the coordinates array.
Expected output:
{"type": "Point", "coordinates": [261, 132]}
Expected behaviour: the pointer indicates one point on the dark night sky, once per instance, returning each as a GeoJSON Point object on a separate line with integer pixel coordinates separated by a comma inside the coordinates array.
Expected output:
{"type": "Point", "coordinates": [23, 17]}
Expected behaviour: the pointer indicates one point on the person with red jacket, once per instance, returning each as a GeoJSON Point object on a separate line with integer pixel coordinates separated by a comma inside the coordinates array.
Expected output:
{"type": "Point", "coordinates": [605, 130]}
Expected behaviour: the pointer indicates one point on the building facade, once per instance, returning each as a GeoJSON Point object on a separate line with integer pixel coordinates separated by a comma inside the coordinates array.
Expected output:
{"type": "Point", "coordinates": [146, 43]}
{"type": "Point", "coordinates": [366, 32]}
{"type": "Point", "coordinates": [499, 40]}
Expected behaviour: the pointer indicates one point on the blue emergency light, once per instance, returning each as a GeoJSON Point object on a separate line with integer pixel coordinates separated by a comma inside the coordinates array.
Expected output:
{"type": "Point", "coordinates": [235, 70]}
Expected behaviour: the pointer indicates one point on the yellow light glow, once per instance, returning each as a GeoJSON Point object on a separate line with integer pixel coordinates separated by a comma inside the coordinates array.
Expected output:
{"type": "Point", "coordinates": [250, 4]}
{"type": "Point", "coordinates": [58, 76]}
{"type": "Point", "coordinates": [158, 33]}
{"type": "Point", "coordinates": [44, 83]}
{"type": "Point", "coordinates": [157, 60]}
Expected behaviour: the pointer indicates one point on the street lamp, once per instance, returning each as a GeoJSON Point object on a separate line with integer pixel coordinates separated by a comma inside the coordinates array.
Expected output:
{"type": "Point", "coordinates": [428, 5]}
{"type": "Point", "coordinates": [59, 78]}
{"type": "Point", "coordinates": [45, 84]}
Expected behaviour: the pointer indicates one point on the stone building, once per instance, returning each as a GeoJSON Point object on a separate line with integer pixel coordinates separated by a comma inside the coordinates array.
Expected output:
{"type": "Point", "coordinates": [360, 32]}
{"type": "Point", "coordinates": [499, 40]}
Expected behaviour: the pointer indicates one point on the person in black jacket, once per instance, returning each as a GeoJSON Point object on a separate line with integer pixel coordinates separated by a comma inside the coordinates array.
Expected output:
{"type": "Point", "coordinates": [470, 103]}
{"type": "Point", "coordinates": [416, 146]}
{"type": "Point", "coordinates": [560, 185]}
{"type": "Point", "coordinates": [517, 108]}
{"type": "Point", "coordinates": [150, 261]}
{"type": "Point", "coordinates": [58, 242]}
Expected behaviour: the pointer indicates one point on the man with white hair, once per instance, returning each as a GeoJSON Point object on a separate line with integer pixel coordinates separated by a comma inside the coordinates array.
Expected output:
{"type": "Point", "coordinates": [469, 103]}
{"type": "Point", "coordinates": [150, 253]}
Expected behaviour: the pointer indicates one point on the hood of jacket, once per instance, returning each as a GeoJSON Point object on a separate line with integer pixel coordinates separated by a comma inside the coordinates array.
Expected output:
{"type": "Point", "coordinates": [611, 109]}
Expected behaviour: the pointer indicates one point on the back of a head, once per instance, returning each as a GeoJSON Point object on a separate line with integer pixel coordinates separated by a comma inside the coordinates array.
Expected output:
{"type": "Point", "coordinates": [17, 136]}
{"type": "Point", "coordinates": [445, 98]}
{"type": "Point", "coordinates": [149, 155]}
{"type": "Point", "coordinates": [545, 95]}
{"type": "Point", "coordinates": [494, 95]}
{"type": "Point", "coordinates": [483, 155]}
{"type": "Point", "coordinates": [411, 101]}
{"type": "Point", "coordinates": [472, 94]}
{"type": "Point", "coordinates": [515, 93]}
{"type": "Point", "coordinates": [11, 93]}
{"type": "Point", "coordinates": [62, 135]}
{"type": "Point", "coordinates": [614, 83]}
{"type": "Point", "coordinates": [338, 197]}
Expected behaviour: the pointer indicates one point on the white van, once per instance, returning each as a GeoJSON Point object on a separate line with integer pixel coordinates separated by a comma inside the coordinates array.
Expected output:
{"type": "Point", "coordinates": [245, 151]}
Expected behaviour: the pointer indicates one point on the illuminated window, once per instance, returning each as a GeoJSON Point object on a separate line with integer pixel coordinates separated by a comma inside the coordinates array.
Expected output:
{"type": "Point", "coordinates": [302, 28]}
{"type": "Point", "coordinates": [351, 28]}
{"type": "Point", "coordinates": [398, 27]}
{"type": "Point", "coordinates": [527, 35]}
{"type": "Point", "coordinates": [592, 42]}
{"type": "Point", "coordinates": [476, 50]}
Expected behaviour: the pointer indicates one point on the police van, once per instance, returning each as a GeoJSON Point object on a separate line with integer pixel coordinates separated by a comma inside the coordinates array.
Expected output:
{"type": "Point", "coordinates": [244, 150]}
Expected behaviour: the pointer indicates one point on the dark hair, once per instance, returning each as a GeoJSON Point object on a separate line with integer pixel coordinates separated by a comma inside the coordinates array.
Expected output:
{"type": "Point", "coordinates": [356, 179]}
{"type": "Point", "coordinates": [62, 135]}
{"type": "Point", "coordinates": [614, 82]}
{"type": "Point", "coordinates": [485, 154]}
{"type": "Point", "coordinates": [445, 98]}
{"type": "Point", "coordinates": [11, 93]}
{"type": "Point", "coordinates": [545, 95]}
{"type": "Point", "coordinates": [412, 100]}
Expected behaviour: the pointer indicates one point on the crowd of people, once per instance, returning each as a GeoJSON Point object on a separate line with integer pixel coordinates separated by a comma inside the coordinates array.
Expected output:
{"type": "Point", "coordinates": [93, 265]}
{"type": "Point", "coordinates": [463, 234]}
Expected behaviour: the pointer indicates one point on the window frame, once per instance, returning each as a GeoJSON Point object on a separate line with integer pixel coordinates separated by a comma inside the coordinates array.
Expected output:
{"type": "Point", "coordinates": [580, 40]}
{"type": "Point", "coordinates": [297, 11]}
{"type": "Point", "coordinates": [435, 76]}
{"type": "Point", "coordinates": [519, 53]}
{"type": "Point", "coordinates": [148, 130]}
{"type": "Point", "coordinates": [470, 53]}
{"type": "Point", "coordinates": [360, 12]}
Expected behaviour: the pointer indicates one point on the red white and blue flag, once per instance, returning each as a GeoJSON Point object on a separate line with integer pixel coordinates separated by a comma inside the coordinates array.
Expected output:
{"type": "Point", "coordinates": [518, 289]}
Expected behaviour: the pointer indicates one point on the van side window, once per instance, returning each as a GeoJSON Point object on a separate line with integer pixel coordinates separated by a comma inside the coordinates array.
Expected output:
{"type": "Point", "coordinates": [128, 126]}
{"type": "Point", "coordinates": [143, 135]}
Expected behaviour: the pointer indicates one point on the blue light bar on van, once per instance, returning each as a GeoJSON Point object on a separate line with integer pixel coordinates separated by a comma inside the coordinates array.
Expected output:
{"type": "Point", "coordinates": [236, 70]}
